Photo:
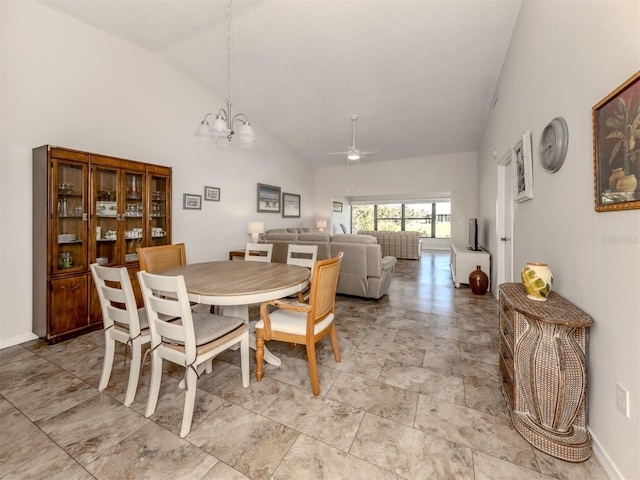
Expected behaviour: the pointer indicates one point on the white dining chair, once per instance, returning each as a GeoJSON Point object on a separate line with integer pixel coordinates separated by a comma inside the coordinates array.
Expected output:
{"type": "Point", "coordinates": [191, 342]}
{"type": "Point", "coordinates": [258, 252]}
{"type": "Point", "coordinates": [123, 322]}
{"type": "Point", "coordinates": [303, 256]}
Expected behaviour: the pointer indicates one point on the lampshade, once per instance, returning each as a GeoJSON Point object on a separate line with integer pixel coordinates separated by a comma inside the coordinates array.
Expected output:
{"type": "Point", "coordinates": [219, 127]}
{"type": "Point", "coordinates": [204, 129]}
{"type": "Point", "coordinates": [245, 134]}
{"type": "Point", "coordinates": [321, 224]}
{"type": "Point", "coordinates": [255, 229]}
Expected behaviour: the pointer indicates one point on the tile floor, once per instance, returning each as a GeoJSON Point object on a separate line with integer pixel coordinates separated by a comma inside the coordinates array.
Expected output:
{"type": "Point", "coordinates": [416, 396]}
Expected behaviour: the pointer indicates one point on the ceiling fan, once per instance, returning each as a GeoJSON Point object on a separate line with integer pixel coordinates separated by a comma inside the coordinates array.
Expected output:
{"type": "Point", "coordinates": [354, 153]}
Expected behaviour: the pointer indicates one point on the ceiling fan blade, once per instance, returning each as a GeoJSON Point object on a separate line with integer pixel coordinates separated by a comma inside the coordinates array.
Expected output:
{"type": "Point", "coordinates": [337, 153]}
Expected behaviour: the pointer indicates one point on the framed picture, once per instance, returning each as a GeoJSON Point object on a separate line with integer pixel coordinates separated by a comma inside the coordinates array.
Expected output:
{"type": "Point", "coordinates": [191, 201]}
{"type": "Point", "coordinates": [616, 148]}
{"type": "Point", "coordinates": [290, 205]}
{"type": "Point", "coordinates": [523, 171]}
{"type": "Point", "coordinates": [337, 206]}
{"type": "Point", "coordinates": [268, 198]}
{"type": "Point", "coordinates": [212, 194]}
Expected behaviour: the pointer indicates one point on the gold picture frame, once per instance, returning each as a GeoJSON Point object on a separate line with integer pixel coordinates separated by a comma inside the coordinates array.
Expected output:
{"type": "Point", "coordinates": [616, 148]}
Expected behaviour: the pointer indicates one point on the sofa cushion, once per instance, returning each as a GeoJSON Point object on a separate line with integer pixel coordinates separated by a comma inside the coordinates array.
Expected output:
{"type": "Point", "coordinates": [283, 237]}
{"type": "Point", "coordinates": [354, 238]}
{"type": "Point", "coordinates": [314, 237]}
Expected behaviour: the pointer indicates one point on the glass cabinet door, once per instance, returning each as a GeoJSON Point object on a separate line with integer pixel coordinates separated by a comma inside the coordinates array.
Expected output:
{"type": "Point", "coordinates": [134, 231]}
{"type": "Point", "coordinates": [69, 203]}
{"type": "Point", "coordinates": [160, 210]}
{"type": "Point", "coordinates": [105, 181]}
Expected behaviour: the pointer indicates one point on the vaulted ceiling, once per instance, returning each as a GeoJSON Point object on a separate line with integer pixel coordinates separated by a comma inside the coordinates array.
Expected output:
{"type": "Point", "coordinates": [421, 74]}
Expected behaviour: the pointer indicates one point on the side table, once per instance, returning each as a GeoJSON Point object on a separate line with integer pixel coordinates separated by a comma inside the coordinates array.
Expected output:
{"type": "Point", "coordinates": [236, 253]}
{"type": "Point", "coordinates": [543, 356]}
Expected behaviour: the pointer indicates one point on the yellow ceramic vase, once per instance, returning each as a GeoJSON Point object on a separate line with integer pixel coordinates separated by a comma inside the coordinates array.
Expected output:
{"type": "Point", "coordinates": [537, 280]}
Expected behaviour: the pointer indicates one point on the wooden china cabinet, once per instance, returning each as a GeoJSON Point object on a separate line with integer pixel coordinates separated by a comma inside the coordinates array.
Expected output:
{"type": "Point", "coordinates": [89, 208]}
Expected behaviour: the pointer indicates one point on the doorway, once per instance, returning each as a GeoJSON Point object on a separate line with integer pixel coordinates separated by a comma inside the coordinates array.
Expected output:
{"type": "Point", "coordinates": [504, 221]}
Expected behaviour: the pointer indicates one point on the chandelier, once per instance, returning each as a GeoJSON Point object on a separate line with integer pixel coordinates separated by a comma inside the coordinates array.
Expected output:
{"type": "Point", "coordinates": [223, 125]}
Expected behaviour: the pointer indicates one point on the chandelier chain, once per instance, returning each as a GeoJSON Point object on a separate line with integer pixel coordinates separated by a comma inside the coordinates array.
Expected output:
{"type": "Point", "coordinates": [229, 51]}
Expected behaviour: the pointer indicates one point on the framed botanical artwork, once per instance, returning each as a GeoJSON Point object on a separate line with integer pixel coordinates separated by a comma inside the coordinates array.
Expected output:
{"type": "Point", "coordinates": [522, 160]}
{"type": "Point", "coordinates": [337, 206]}
{"type": "Point", "coordinates": [616, 148]}
{"type": "Point", "coordinates": [191, 201]}
{"type": "Point", "coordinates": [268, 198]}
{"type": "Point", "coordinates": [290, 205]}
{"type": "Point", "coordinates": [212, 194]}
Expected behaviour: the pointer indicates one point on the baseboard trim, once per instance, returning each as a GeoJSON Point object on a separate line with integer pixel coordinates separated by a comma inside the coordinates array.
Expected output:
{"type": "Point", "coordinates": [10, 342]}
{"type": "Point", "coordinates": [602, 457]}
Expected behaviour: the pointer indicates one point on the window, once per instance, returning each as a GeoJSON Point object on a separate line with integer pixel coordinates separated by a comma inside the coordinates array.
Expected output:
{"type": "Point", "coordinates": [431, 219]}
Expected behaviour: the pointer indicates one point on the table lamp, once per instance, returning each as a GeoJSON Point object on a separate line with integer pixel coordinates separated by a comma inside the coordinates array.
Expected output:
{"type": "Point", "coordinates": [321, 225]}
{"type": "Point", "coordinates": [255, 229]}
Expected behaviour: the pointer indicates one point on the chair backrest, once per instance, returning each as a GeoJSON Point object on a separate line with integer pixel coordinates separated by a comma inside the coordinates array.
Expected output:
{"type": "Point", "coordinates": [303, 255]}
{"type": "Point", "coordinates": [258, 252]}
{"type": "Point", "coordinates": [162, 257]}
{"type": "Point", "coordinates": [324, 283]}
{"type": "Point", "coordinates": [117, 301]}
{"type": "Point", "coordinates": [163, 309]}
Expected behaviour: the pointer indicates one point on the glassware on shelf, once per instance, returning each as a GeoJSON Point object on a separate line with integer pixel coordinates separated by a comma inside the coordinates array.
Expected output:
{"type": "Point", "coordinates": [63, 207]}
{"type": "Point", "coordinates": [134, 187]}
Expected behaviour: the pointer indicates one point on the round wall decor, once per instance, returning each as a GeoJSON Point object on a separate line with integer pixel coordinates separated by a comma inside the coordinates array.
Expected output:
{"type": "Point", "coordinates": [553, 144]}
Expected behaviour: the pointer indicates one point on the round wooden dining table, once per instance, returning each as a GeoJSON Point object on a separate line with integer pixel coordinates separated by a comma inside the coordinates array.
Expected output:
{"type": "Point", "coordinates": [234, 285]}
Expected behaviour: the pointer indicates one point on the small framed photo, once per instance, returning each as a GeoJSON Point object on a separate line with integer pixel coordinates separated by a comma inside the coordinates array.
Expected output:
{"type": "Point", "coordinates": [616, 148]}
{"type": "Point", "coordinates": [212, 194]}
{"type": "Point", "coordinates": [268, 198]}
{"type": "Point", "coordinates": [522, 160]}
{"type": "Point", "coordinates": [191, 201]}
{"type": "Point", "coordinates": [337, 206]}
{"type": "Point", "coordinates": [290, 205]}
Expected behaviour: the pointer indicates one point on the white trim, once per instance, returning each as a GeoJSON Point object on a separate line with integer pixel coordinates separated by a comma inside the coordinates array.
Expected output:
{"type": "Point", "coordinates": [604, 459]}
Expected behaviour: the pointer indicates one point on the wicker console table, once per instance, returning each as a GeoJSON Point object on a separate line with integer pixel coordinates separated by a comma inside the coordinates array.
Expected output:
{"type": "Point", "coordinates": [543, 354]}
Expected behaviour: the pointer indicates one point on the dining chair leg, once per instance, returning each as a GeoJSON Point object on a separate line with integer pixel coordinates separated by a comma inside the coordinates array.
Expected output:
{"type": "Point", "coordinates": [334, 343]}
{"type": "Point", "coordinates": [189, 401]}
{"type": "Point", "coordinates": [244, 359]}
{"type": "Point", "coordinates": [107, 364]}
{"type": "Point", "coordinates": [134, 372]}
{"type": "Point", "coordinates": [154, 387]}
{"type": "Point", "coordinates": [313, 368]}
{"type": "Point", "coordinates": [259, 354]}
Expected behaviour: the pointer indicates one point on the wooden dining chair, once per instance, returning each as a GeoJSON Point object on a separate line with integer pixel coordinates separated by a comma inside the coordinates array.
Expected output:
{"type": "Point", "coordinates": [123, 322]}
{"type": "Point", "coordinates": [303, 256]}
{"type": "Point", "coordinates": [191, 342]}
{"type": "Point", "coordinates": [164, 257]}
{"type": "Point", "coordinates": [258, 252]}
{"type": "Point", "coordinates": [305, 324]}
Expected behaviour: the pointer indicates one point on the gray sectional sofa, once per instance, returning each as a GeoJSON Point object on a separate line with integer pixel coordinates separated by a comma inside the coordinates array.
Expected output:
{"type": "Point", "coordinates": [364, 271]}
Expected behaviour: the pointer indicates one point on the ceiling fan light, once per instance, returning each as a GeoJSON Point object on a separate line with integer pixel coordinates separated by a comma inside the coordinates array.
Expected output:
{"type": "Point", "coordinates": [353, 156]}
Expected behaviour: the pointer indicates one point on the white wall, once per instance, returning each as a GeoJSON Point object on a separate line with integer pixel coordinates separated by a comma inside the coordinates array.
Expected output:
{"type": "Point", "coordinates": [433, 176]}
{"type": "Point", "coordinates": [68, 84]}
{"type": "Point", "coordinates": [564, 57]}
